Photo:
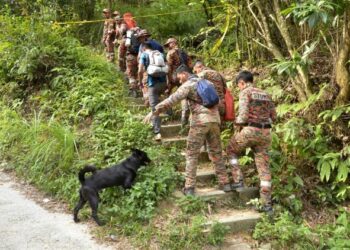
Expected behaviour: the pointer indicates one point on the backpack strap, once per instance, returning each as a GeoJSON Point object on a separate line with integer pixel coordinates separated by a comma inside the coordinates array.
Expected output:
{"type": "Point", "coordinates": [195, 101]}
{"type": "Point", "coordinates": [180, 57]}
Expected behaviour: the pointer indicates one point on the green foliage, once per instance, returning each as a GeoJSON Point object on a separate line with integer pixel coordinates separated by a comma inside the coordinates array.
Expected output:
{"type": "Point", "coordinates": [191, 204]}
{"type": "Point", "coordinates": [284, 232]}
{"type": "Point", "coordinates": [311, 11]}
{"type": "Point", "coordinates": [217, 234]}
{"type": "Point", "coordinates": [291, 65]}
{"type": "Point", "coordinates": [302, 144]}
{"type": "Point", "coordinates": [74, 113]}
{"type": "Point", "coordinates": [43, 152]}
{"type": "Point", "coordinates": [191, 235]}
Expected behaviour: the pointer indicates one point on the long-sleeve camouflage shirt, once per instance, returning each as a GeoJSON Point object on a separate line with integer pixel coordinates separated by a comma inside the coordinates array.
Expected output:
{"type": "Point", "coordinates": [216, 78]}
{"type": "Point", "coordinates": [199, 113]}
{"type": "Point", "coordinates": [108, 31]}
{"type": "Point", "coordinates": [174, 61]}
{"type": "Point", "coordinates": [255, 106]}
{"type": "Point", "coordinates": [120, 31]}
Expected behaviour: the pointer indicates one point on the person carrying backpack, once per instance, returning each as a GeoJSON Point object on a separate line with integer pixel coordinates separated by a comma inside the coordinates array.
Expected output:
{"type": "Point", "coordinates": [175, 58]}
{"type": "Point", "coordinates": [153, 63]}
{"type": "Point", "coordinates": [204, 125]}
{"type": "Point", "coordinates": [132, 50]}
{"type": "Point", "coordinates": [217, 79]}
{"type": "Point", "coordinates": [120, 31]}
{"type": "Point", "coordinates": [143, 37]}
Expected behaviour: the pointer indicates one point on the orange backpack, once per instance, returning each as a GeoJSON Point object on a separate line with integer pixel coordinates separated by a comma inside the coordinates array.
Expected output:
{"type": "Point", "coordinates": [230, 106]}
{"type": "Point", "coordinates": [129, 20]}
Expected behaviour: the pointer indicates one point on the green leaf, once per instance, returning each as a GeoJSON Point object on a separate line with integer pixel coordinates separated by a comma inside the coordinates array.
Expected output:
{"type": "Point", "coordinates": [325, 171]}
{"type": "Point", "coordinates": [298, 180]}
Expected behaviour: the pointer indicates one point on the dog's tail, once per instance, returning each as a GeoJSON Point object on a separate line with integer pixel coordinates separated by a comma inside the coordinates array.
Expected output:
{"type": "Point", "coordinates": [86, 169]}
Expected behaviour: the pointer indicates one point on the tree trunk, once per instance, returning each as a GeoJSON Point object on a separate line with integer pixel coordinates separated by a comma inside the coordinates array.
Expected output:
{"type": "Point", "coordinates": [283, 28]}
{"type": "Point", "coordinates": [342, 74]}
{"type": "Point", "coordinates": [208, 14]}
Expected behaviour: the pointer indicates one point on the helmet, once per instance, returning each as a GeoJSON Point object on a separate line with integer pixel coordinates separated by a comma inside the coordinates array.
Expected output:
{"type": "Point", "coordinates": [106, 11]}
{"type": "Point", "coordinates": [170, 40]}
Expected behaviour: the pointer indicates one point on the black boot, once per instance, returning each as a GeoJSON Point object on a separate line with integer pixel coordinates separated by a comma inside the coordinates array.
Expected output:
{"type": "Point", "coordinates": [188, 191]}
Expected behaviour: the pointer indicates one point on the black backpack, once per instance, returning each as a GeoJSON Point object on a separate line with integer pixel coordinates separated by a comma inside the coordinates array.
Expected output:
{"type": "Point", "coordinates": [134, 44]}
{"type": "Point", "coordinates": [183, 56]}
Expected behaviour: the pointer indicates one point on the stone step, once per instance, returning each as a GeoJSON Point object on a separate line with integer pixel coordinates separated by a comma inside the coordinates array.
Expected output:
{"type": "Point", "coordinates": [203, 156]}
{"type": "Point", "coordinates": [136, 107]}
{"type": "Point", "coordinates": [175, 140]}
{"type": "Point", "coordinates": [243, 195]}
{"type": "Point", "coordinates": [236, 220]}
{"type": "Point", "coordinates": [169, 130]}
{"type": "Point", "coordinates": [133, 100]}
{"type": "Point", "coordinates": [141, 116]}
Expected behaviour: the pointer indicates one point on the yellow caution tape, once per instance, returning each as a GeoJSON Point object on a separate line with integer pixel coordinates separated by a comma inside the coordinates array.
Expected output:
{"type": "Point", "coordinates": [136, 17]}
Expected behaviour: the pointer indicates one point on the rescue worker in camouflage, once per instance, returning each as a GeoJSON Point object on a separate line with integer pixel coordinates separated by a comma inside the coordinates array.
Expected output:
{"type": "Point", "coordinates": [120, 33]}
{"type": "Point", "coordinates": [132, 63]}
{"type": "Point", "coordinates": [204, 127]}
{"type": "Point", "coordinates": [108, 35]}
{"type": "Point", "coordinates": [255, 117]}
{"type": "Point", "coordinates": [217, 79]}
{"type": "Point", "coordinates": [175, 57]}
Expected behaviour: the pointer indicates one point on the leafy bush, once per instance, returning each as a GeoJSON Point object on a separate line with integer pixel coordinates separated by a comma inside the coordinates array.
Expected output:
{"type": "Point", "coordinates": [286, 233]}
{"type": "Point", "coordinates": [67, 108]}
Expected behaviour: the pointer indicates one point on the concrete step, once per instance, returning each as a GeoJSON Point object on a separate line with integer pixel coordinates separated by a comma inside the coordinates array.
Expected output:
{"type": "Point", "coordinates": [133, 100]}
{"type": "Point", "coordinates": [236, 220]}
{"type": "Point", "coordinates": [172, 129]}
{"type": "Point", "coordinates": [141, 116]}
{"type": "Point", "coordinates": [136, 107]}
{"type": "Point", "coordinates": [243, 195]}
{"type": "Point", "coordinates": [181, 140]}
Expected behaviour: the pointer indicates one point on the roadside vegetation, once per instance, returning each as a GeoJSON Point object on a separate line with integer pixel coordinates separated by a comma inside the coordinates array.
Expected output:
{"type": "Point", "coordinates": [62, 106]}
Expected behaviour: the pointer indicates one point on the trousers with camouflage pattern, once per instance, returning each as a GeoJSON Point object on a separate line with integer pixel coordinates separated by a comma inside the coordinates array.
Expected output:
{"type": "Point", "coordinates": [259, 140]}
{"type": "Point", "coordinates": [197, 136]}
{"type": "Point", "coordinates": [121, 55]}
{"type": "Point", "coordinates": [131, 70]}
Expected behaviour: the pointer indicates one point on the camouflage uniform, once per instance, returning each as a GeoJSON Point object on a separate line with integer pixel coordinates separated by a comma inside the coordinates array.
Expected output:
{"type": "Point", "coordinates": [174, 61]}
{"type": "Point", "coordinates": [132, 65]}
{"type": "Point", "coordinates": [219, 83]}
{"type": "Point", "coordinates": [108, 38]}
{"type": "Point", "coordinates": [120, 36]}
{"type": "Point", "coordinates": [255, 109]}
{"type": "Point", "coordinates": [204, 126]}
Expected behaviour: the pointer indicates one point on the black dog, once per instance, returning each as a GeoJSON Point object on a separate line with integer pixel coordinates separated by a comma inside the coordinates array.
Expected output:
{"type": "Point", "coordinates": [122, 174]}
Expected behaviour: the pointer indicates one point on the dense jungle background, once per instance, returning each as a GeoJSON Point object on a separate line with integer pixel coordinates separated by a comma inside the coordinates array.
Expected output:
{"type": "Point", "coordinates": [63, 105]}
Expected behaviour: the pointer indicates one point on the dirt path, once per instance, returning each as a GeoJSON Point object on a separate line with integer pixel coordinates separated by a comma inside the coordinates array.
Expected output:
{"type": "Point", "coordinates": [26, 225]}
